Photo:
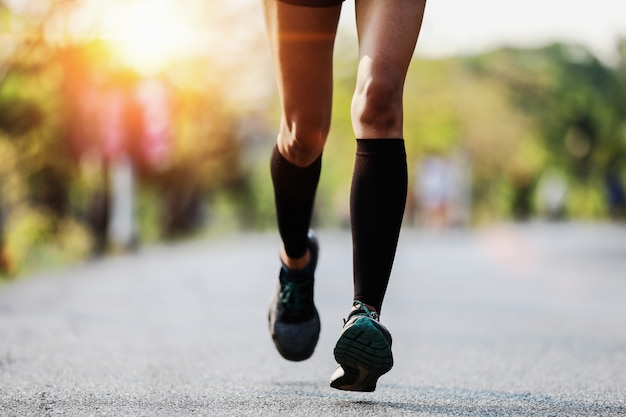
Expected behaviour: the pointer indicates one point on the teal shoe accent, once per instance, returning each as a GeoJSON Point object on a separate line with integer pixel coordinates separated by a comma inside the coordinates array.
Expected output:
{"type": "Point", "coordinates": [363, 351]}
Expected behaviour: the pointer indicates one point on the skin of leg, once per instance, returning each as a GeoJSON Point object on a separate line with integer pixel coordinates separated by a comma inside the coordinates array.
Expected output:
{"type": "Point", "coordinates": [302, 41]}
{"type": "Point", "coordinates": [388, 33]}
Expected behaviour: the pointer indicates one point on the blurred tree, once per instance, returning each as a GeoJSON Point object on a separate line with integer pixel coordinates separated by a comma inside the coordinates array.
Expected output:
{"type": "Point", "coordinates": [56, 141]}
{"type": "Point", "coordinates": [577, 102]}
{"type": "Point", "coordinates": [35, 169]}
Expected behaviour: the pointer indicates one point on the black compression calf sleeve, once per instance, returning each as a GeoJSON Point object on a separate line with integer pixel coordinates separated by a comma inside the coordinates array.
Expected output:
{"type": "Point", "coordinates": [294, 195]}
{"type": "Point", "coordinates": [377, 200]}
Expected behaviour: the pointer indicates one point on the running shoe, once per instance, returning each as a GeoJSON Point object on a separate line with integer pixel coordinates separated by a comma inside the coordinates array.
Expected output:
{"type": "Point", "coordinates": [293, 319]}
{"type": "Point", "coordinates": [363, 351]}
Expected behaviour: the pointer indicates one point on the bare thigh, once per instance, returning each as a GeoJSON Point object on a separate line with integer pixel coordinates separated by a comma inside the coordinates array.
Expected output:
{"type": "Point", "coordinates": [302, 41]}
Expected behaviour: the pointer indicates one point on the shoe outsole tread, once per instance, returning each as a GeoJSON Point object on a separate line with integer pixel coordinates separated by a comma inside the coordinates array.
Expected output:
{"type": "Point", "coordinates": [363, 354]}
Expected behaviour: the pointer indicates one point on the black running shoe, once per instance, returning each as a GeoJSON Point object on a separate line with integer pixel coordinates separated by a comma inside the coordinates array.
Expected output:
{"type": "Point", "coordinates": [363, 351]}
{"type": "Point", "coordinates": [293, 319]}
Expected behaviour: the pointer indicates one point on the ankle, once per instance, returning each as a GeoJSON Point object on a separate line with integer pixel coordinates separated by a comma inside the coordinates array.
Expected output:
{"type": "Point", "coordinates": [295, 263]}
{"type": "Point", "coordinates": [356, 306]}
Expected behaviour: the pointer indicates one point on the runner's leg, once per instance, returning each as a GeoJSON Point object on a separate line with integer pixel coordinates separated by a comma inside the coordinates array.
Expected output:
{"type": "Point", "coordinates": [302, 41]}
{"type": "Point", "coordinates": [388, 34]}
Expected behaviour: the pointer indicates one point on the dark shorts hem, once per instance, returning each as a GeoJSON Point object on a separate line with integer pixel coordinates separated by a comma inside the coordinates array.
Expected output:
{"type": "Point", "coordinates": [313, 3]}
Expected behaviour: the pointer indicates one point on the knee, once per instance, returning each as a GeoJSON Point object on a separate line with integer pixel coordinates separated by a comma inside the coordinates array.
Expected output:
{"type": "Point", "coordinates": [302, 143]}
{"type": "Point", "coordinates": [377, 104]}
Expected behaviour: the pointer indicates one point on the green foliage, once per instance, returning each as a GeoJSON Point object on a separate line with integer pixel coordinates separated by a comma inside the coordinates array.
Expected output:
{"type": "Point", "coordinates": [34, 240]}
{"type": "Point", "coordinates": [587, 201]}
{"type": "Point", "coordinates": [576, 100]}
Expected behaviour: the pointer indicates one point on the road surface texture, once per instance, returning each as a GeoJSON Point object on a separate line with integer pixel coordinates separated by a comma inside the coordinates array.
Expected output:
{"type": "Point", "coordinates": [514, 320]}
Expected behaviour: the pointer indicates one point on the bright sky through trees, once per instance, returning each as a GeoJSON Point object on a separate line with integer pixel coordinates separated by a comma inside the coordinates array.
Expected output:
{"type": "Point", "coordinates": [146, 34]}
{"type": "Point", "coordinates": [468, 26]}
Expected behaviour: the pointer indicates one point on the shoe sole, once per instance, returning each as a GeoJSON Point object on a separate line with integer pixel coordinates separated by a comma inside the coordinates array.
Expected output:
{"type": "Point", "coordinates": [364, 354]}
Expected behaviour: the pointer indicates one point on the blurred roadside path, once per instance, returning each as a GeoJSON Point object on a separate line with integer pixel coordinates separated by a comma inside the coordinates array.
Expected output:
{"type": "Point", "coordinates": [514, 320]}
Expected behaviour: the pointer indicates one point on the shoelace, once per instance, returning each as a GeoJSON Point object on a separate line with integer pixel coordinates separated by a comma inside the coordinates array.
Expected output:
{"type": "Point", "coordinates": [296, 297]}
{"type": "Point", "coordinates": [361, 310]}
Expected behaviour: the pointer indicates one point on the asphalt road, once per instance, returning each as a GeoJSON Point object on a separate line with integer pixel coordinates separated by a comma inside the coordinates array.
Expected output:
{"type": "Point", "coordinates": [507, 321]}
